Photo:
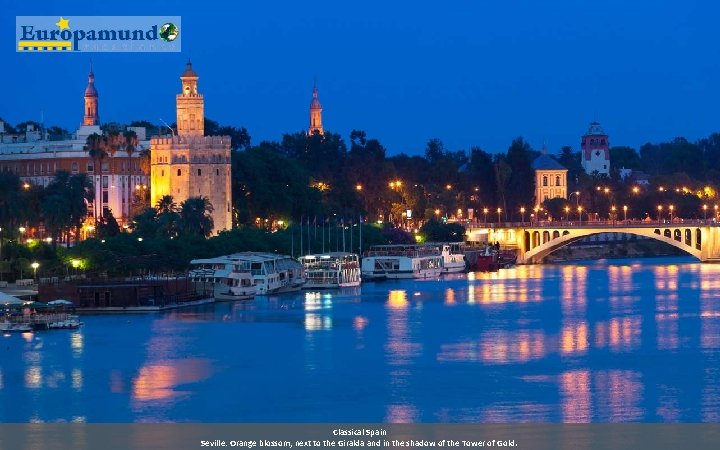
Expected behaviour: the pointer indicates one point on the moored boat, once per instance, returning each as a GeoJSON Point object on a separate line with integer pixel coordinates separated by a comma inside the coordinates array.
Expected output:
{"type": "Point", "coordinates": [331, 270]}
{"type": "Point", "coordinates": [401, 261]}
{"type": "Point", "coordinates": [270, 273]}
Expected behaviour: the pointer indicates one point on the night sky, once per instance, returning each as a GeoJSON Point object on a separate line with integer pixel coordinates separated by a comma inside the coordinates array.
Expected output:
{"type": "Point", "coordinates": [478, 73]}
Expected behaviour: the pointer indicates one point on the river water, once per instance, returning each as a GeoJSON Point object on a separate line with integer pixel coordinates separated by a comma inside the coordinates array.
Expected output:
{"type": "Point", "coordinates": [602, 341]}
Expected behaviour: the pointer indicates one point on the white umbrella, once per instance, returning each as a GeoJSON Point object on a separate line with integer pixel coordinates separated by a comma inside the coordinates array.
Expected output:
{"type": "Point", "coordinates": [60, 302]}
{"type": "Point", "coordinates": [6, 299]}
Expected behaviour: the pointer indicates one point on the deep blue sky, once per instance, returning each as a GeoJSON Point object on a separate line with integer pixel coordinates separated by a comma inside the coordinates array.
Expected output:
{"type": "Point", "coordinates": [474, 73]}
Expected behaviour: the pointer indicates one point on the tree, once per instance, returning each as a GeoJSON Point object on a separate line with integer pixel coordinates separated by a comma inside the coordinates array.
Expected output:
{"type": "Point", "coordinates": [196, 217]}
{"type": "Point", "coordinates": [108, 226]}
{"type": "Point", "coordinates": [521, 184]}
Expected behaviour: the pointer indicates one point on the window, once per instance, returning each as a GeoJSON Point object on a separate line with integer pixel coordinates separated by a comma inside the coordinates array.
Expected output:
{"type": "Point", "coordinates": [545, 180]}
{"type": "Point", "coordinates": [199, 172]}
{"type": "Point", "coordinates": [217, 172]}
{"type": "Point", "coordinates": [105, 167]}
{"type": "Point", "coordinates": [90, 168]}
{"type": "Point", "coordinates": [74, 167]}
{"type": "Point", "coordinates": [179, 172]}
{"type": "Point", "coordinates": [105, 196]}
{"type": "Point", "coordinates": [162, 173]}
{"type": "Point", "coordinates": [105, 181]}
{"type": "Point", "coordinates": [557, 180]}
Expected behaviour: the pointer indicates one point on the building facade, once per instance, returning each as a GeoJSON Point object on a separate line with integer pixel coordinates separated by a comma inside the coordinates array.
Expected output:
{"type": "Point", "coordinates": [191, 164]}
{"type": "Point", "coordinates": [595, 148]}
{"type": "Point", "coordinates": [316, 125]}
{"type": "Point", "coordinates": [550, 179]}
{"type": "Point", "coordinates": [36, 159]}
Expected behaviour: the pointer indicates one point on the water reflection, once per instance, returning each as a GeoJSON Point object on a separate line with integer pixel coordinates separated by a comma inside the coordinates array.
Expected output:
{"type": "Point", "coordinates": [158, 382]}
{"type": "Point", "coordinates": [580, 343]}
{"type": "Point", "coordinates": [576, 397]}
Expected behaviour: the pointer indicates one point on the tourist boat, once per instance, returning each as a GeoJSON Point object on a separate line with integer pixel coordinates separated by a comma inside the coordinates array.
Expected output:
{"type": "Point", "coordinates": [14, 327]}
{"type": "Point", "coordinates": [226, 278]}
{"type": "Point", "coordinates": [267, 273]}
{"type": "Point", "coordinates": [402, 261]}
{"type": "Point", "coordinates": [331, 270]}
{"type": "Point", "coordinates": [453, 257]}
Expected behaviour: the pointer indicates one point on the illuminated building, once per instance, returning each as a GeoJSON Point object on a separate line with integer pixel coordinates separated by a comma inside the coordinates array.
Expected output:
{"type": "Point", "coordinates": [595, 147]}
{"type": "Point", "coordinates": [315, 114]}
{"type": "Point", "coordinates": [35, 158]}
{"type": "Point", "coordinates": [191, 164]}
{"type": "Point", "coordinates": [550, 179]}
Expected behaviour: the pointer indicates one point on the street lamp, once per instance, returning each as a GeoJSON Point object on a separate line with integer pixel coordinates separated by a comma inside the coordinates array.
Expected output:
{"type": "Point", "coordinates": [671, 212]}
{"type": "Point", "coordinates": [358, 187]}
{"type": "Point", "coordinates": [612, 213]}
{"type": "Point", "coordinates": [522, 214]}
{"type": "Point", "coordinates": [625, 212]}
{"type": "Point", "coordinates": [499, 211]}
{"type": "Point", "coordinates": [704, 213]}
{"type": "Point", "coordinates": [580, 208]}
{"type": "Point", "coordinates": [35, 266]}
{"type": "Point", "coordinates": [659, 213]}
{"type": "Point", "coordinates": [567, 213]}
{"type": "Point", "coordinates": [577, 197]}
{"type": "Point", "coordinates": [485, 211]}
{"type": "Point", "coordinates": [636, 190]}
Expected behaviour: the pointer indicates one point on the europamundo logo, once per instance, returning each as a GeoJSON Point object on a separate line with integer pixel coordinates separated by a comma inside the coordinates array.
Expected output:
{"type": "Point", "coordinates": [98, 34]}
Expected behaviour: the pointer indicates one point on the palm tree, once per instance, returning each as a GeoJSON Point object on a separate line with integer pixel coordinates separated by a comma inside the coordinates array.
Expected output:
{"type": "Point", "coordinates": [96, 146]}
{"type": "Point", "coordinates": [167, 216]}
{"type": "Point", "coordinates": [196, 216]}
{"type": "Point", "coordinates": [81, 193]}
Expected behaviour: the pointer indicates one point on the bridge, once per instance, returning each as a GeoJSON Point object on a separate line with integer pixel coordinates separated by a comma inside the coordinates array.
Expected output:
{"type": "Point", "coordinates": [534, 241]}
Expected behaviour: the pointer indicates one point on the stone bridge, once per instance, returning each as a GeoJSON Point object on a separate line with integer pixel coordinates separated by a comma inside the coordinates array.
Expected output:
{"type": "Point", "coordinates": [533, 242]}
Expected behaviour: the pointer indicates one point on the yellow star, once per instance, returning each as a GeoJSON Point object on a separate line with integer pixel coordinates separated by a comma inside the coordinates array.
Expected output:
{"type": "Point", "coordinates": [64, 24]}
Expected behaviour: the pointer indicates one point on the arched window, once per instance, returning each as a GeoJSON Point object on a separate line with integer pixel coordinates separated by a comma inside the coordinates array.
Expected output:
{"type": "Point", "coordinates": [545, 180]}
{"type": "Point", "coordinates": [179, 172]}
{"type": "Point", "coordinates": [557, 180]}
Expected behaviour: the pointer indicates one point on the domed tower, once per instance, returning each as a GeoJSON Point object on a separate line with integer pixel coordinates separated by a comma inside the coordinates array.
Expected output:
{"type": "Point", "coordinates": [91, 102]}
{"type": "Point", "coordinates": [315, 113]}
{"type": "Point", "coordinates": [190, 105]}
{"type": "Point", "coordinates": [595, 147]}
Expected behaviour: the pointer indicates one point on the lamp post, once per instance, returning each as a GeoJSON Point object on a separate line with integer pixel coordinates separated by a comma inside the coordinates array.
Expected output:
{"type": "Point", "coordinates": [625, 213]}
{"type": "Point", "coordinates": [567, 213]}
{"type": "Point", "coordinates": [704, 214]}
{"type": "Point", "coordinates": [485, 211]}
{"type": "Point", "coordinates": [35, 266]}
{"type": "Point", "coordinates": [580, 208]}
{"type": "Point", "coordinates": [612, 214]}
{"type": "Point", "coordinates": [577, 197]}
{"type": "Point", "coordinates": [522, 214]}
{"type": "Point", "coordinates": [659, 213]}
{"type": "Point", "coordinates": [671, 207]}
{"type": "Point", "coordinates": [499, 210]}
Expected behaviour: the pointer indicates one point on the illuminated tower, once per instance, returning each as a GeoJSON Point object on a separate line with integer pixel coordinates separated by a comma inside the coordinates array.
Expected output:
{"type": "Point", "coordinates": [190, 107]}
{"type": "Point", "coordinates": [595, 147]}
{"type": "Point", "coordinates": [315, 114]}
{"type": "Point", "coordinates": [91, 102]}
{"type": "Point", "coordinates": [192, 164]}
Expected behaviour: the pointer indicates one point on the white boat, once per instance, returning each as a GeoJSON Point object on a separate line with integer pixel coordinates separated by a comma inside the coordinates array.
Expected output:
{"type": "Point", "coordinates": [13, 327]}
{"type": "Point", "coordinates": [331, 270]}
{"type": "Point", "coordinates": [226, 278]}
{"type": "Point", "coordinates": [401, 261]}
{"type": "Point", "coordinates": [269, 273]}
{"type": "Point", "coordinates": [452, 256]}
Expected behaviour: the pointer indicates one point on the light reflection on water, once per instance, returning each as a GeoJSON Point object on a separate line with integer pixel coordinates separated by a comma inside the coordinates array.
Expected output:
{"type": "Point", "coordinates": [597, 342]}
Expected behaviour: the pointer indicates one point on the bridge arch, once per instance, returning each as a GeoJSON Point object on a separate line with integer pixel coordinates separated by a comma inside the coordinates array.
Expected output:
{"type": "Point", "coordinates": [672, 236]}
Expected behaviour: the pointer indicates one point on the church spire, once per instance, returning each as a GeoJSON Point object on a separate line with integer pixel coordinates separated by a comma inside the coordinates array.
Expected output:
{"type": "Point", "coordinates": [91, 101]}
{"type": "Point", "coordinates": [315, 112]}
